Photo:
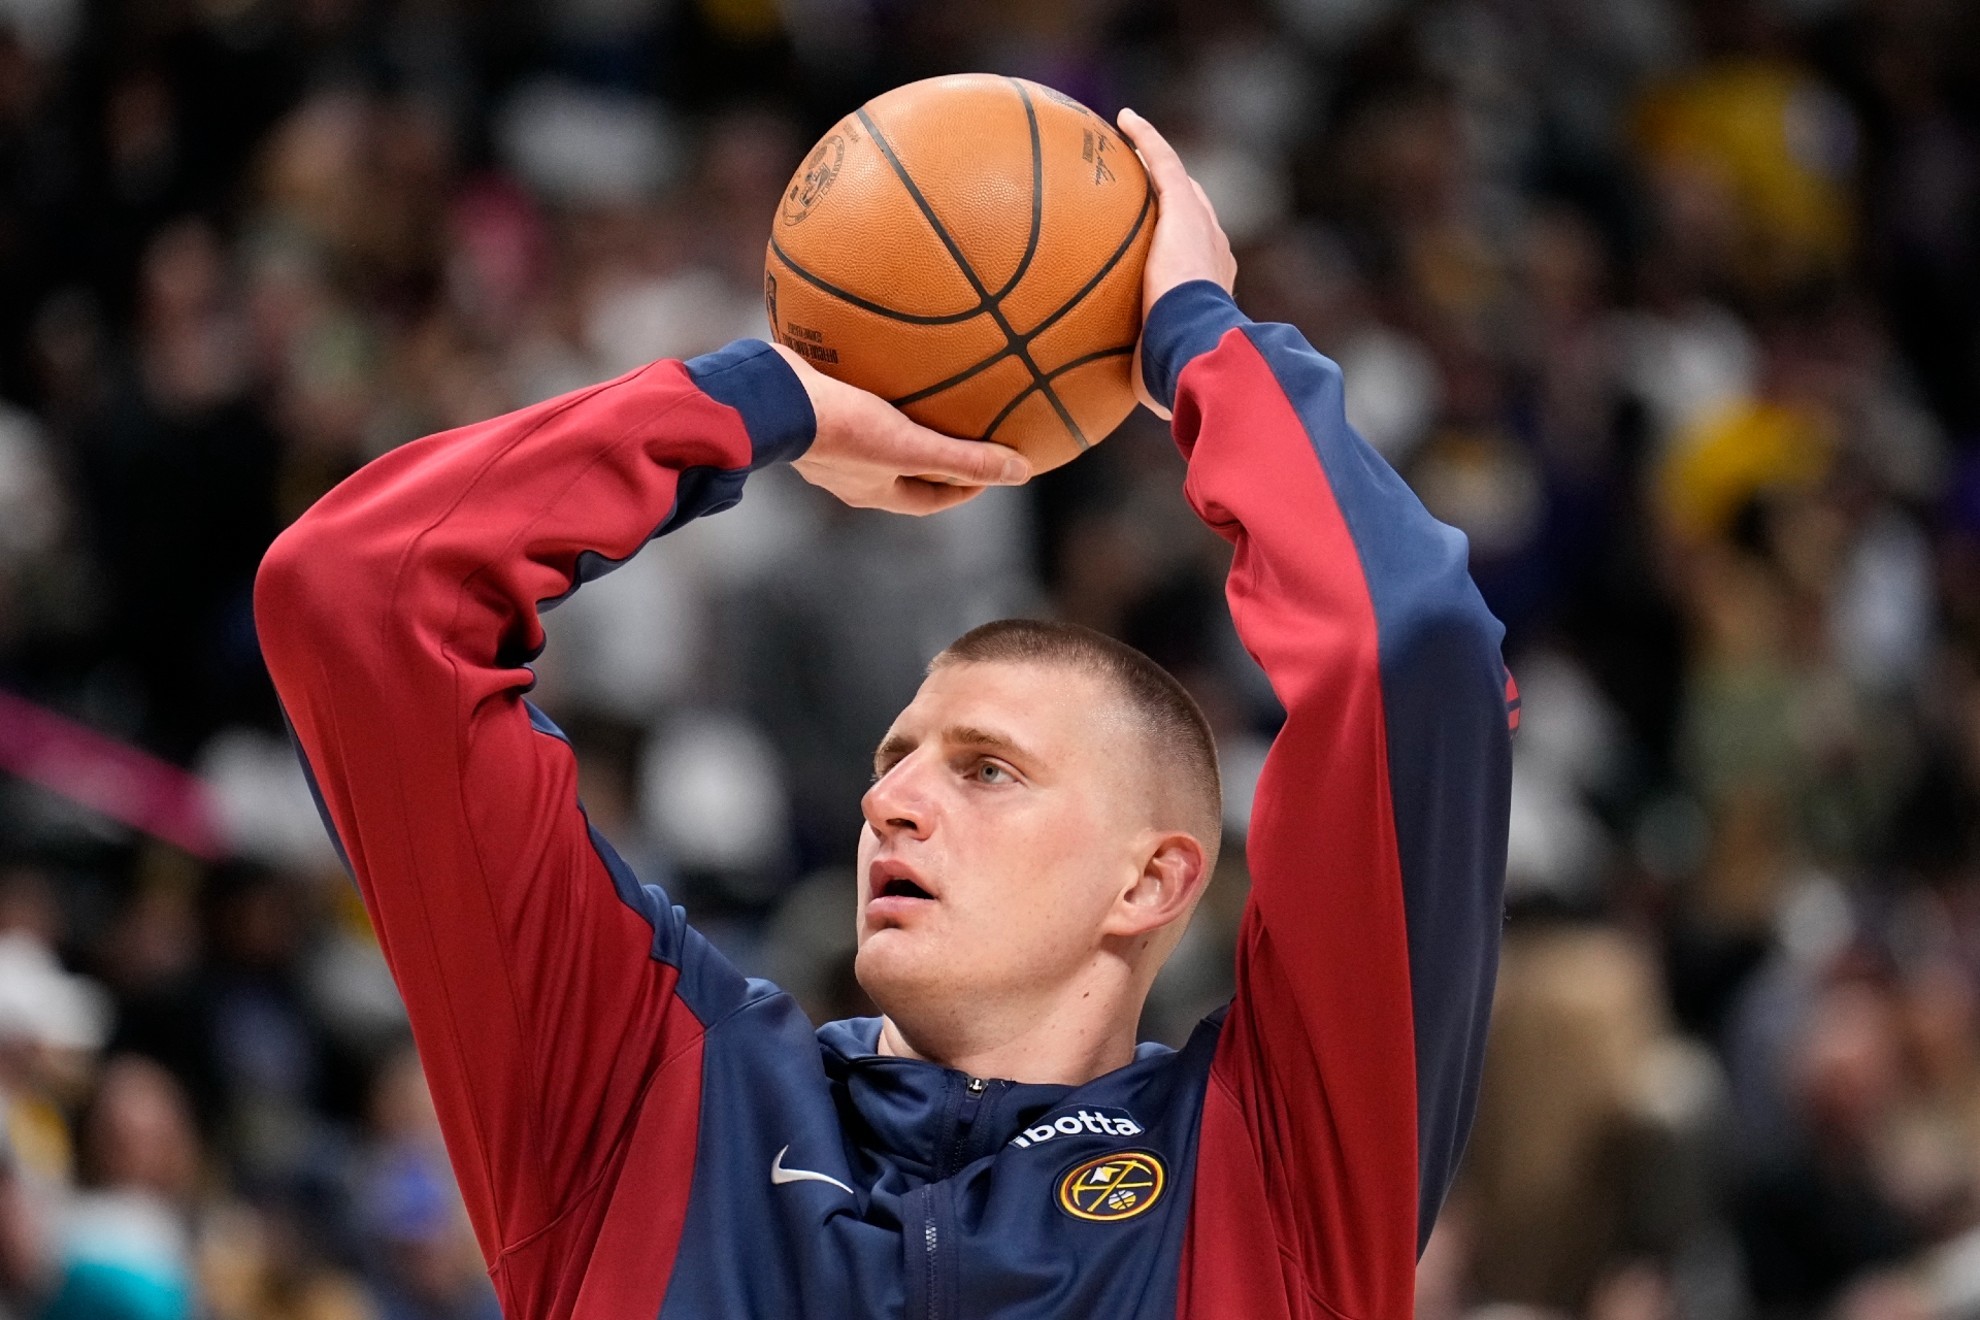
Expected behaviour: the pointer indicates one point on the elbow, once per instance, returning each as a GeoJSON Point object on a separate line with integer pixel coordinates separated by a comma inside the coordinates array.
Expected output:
{"type": "Point", "coordinates": [1452, 631]}
{"type": "Point", "coordinates": [286, 618]}
{"type": "Point", "coordinates": [1465, 625]}
{"type": "Point", "coordinates": [282, 588]}
{"type": "Point", "coordinates": [291, 586]}
{"type": "Point", "coordinates": [314, 589]}
{"type": "Point", "coordinates": [1447, 634]}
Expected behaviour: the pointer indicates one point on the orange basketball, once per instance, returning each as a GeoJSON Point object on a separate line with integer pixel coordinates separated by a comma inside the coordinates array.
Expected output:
{"type": "Point", "coordinates": [970, 249]}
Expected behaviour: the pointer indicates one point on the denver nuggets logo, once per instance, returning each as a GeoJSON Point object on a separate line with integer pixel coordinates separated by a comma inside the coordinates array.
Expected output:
{"type": "Point", "coordinates": [1113, 1187]}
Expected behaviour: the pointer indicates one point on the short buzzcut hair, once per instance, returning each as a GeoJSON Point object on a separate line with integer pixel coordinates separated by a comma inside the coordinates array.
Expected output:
{"type": "Point", "coordinates": [1160, 706]}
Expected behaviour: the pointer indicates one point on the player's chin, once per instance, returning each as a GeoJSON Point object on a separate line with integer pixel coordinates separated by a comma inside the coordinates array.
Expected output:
{"type": "Point", "coordinates": [895, 963]}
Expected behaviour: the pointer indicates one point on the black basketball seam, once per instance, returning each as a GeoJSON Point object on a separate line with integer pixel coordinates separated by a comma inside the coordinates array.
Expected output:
{"type": "Point", "coordinates": [1147, 196]}
{"type": "Point", "coordinates": [911, 318]}
{"type": "Point", "coordinates": [953, 318]}
{"type": "Point", "coordinates": [1056, 372]}
{"type": "Point", "coordinates": [996, 312]}
{"type": "Point", "coordinates": [1015, 344]}
{"type": "Point", "coordinates": [1037, 191]}
{"type": "Point", "coordinates": [974, 369]}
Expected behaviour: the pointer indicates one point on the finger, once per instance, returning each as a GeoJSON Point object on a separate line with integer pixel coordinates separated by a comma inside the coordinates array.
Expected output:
{"type": "Point", "coordinates": [920, 498]}
{"type": "Point", "coordinates": [1165, 167]}
{"type": "Point", "coordinates": [937, 457]}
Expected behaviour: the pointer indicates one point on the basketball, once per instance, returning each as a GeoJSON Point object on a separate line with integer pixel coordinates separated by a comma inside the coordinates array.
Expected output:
{"type": "Point", "coordinates": [969, 248]}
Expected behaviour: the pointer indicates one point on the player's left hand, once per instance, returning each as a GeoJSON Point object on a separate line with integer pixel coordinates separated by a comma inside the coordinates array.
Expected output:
{"type": "Point", "coordinates": [1188, 243]}
{"type": "Point", "coordinates": [871, 456]}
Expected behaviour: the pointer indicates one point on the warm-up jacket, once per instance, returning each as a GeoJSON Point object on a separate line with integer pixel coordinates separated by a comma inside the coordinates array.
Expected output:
{"type": "Point", "coordinates": [640, 1131]}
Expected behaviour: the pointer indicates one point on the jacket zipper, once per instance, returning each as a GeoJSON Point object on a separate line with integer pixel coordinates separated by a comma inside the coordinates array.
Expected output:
{"type": "Point", "coordinates": [934, 1283]}
{"type": "Point", "coordinates": [931, 1241]}
{"type": "Point", "coordinates": [957, 1153]}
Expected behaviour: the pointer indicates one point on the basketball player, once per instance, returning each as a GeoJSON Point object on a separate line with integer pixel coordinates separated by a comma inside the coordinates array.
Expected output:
{"type": "Point", "coordinates": [642, 1132]}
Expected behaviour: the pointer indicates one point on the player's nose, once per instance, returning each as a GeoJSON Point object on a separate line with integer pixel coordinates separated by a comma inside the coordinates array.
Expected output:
{"type": "Point", "coordinates": [897, 803]}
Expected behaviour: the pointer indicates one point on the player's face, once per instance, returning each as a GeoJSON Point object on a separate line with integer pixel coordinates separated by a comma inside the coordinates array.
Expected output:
{"type": "Point", "coordinates": [999, 832]}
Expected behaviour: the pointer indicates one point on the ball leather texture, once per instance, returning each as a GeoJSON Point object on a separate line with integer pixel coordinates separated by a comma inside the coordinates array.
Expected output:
{"type": "Point", "coordinates": [970, 249]}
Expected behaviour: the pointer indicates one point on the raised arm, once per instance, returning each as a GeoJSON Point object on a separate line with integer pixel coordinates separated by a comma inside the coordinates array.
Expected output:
{"type": "Point", "coordinates": [558, 1004]}
{"type": "Point", "coordinates": [1347, 1072]}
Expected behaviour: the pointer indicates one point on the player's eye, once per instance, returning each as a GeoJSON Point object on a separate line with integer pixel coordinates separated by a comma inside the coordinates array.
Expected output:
{"type": "Point", "coordinates": [989, 772]}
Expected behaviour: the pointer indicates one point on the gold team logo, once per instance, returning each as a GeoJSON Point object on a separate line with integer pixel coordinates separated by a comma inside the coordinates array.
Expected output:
{"type": "Point", "coordinates": [1113, 1187]}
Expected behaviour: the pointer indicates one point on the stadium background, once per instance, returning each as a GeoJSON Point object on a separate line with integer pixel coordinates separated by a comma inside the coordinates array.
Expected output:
{"type": "Point", "coordinates": [1672, 305]}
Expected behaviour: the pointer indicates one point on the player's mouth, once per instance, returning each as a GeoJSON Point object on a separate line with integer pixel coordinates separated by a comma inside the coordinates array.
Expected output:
{"type": "Point", "coordinates": [896, 892]}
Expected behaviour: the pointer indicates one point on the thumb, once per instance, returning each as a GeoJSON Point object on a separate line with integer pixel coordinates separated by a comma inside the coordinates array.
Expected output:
{"type": "Point", "coordinates": [937, 457]}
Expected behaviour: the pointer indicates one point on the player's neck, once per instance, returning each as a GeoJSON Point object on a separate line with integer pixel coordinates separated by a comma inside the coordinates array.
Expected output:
{"type": "Point", "coordinates": [1073, 1038]}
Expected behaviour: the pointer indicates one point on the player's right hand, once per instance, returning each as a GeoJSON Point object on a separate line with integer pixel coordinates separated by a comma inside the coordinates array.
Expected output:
{"type": "Point", "coordinates": [871, 456]}
{"type": "Point", "coordinates": [1188, 244]}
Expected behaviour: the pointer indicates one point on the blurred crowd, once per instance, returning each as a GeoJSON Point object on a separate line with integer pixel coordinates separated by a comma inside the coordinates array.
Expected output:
{"type": "Point", "coordinates": [1672, 305]}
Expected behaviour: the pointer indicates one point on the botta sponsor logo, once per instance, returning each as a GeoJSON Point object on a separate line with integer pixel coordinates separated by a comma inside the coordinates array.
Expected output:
{"type": "Point", "coordinates": [1101, 1123]}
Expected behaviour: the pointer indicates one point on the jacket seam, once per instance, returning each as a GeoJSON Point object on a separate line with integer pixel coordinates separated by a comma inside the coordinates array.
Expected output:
{"type": "Point", "coordinates": [518, 1005]}
{"type": "Point", "coordinates": [406, 558]}
{"type": "Point", "coordinates": [1285, 1253]}
{"type": "Point", "coordinates": [578, 1198]}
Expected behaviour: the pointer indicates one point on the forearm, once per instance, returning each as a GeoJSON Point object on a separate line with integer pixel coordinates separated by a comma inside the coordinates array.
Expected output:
{"type": "Point", "coordinates": [1330, 533]}
{"type": "Point", "coordinates": [458, 538]}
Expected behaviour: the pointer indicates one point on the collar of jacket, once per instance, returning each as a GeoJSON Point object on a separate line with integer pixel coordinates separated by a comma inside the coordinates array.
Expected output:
{"type": "Point", "coordinates": [921, 1117]}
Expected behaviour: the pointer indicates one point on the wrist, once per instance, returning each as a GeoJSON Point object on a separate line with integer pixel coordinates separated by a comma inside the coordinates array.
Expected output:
{"type": "Point", "coordinates": [1184, 323]}
{"type": "Point", "coordinates": [770, 392]}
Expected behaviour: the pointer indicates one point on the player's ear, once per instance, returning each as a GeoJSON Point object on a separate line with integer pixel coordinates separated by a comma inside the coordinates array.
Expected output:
{"type": "Point", "coordinates": [1172, 875]}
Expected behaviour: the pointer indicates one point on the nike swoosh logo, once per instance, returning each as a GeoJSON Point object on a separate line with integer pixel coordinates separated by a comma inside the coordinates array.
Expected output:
{"type": "Point", "coordinates": [779, 1175]}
